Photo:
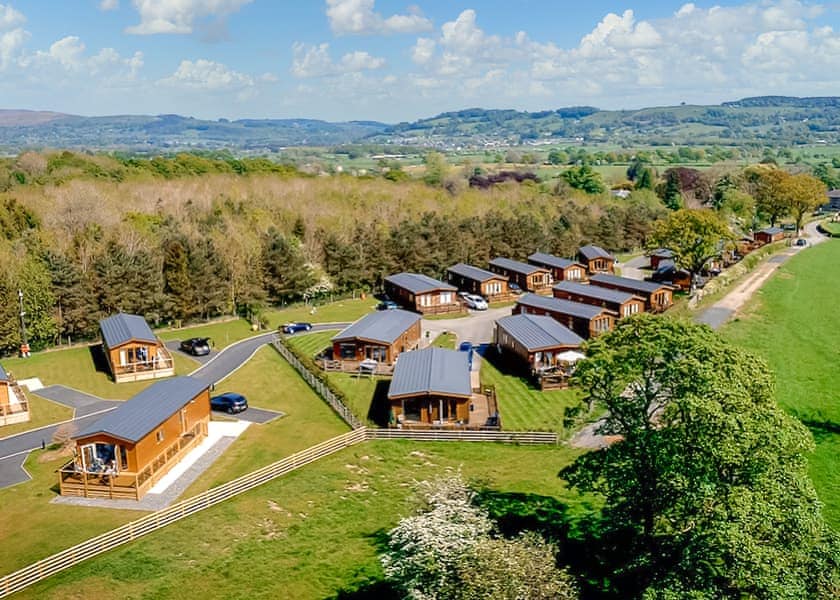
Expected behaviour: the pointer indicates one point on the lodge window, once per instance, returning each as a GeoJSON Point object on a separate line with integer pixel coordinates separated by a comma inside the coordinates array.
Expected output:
{"type": "Point", "coordinates": [159, 436]}
{"type": "Point", "coordinates": [445, 297]}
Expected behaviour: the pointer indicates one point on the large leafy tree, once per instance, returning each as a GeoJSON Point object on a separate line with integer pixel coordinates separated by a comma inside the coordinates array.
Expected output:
{"type": "Point", "coordinates": [584, 178]}
{"type": "Point", "coordinates": [707, 493]}
{"type": "Point", "coordinates": [767, 186]}
{"type": "Point", "coordinates": [802, 193]}
{"type": "Point", "coordinates": [695, 236]}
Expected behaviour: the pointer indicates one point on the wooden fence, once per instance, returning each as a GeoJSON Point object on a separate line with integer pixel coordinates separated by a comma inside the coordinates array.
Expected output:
{"type": "Point", "coordinates": [461, 435]}
{"type": "Point", "coordinates": [319, 386]}
{"type": "Point", "coordinates": [70, 557]}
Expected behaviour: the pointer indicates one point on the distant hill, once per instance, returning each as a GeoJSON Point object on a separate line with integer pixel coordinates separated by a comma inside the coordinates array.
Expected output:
{"type": "Point", "coordinates": [764, 120]}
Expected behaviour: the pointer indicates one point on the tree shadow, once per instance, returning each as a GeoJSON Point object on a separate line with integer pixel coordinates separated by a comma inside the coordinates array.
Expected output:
{"type": "Point", "coordinates": [507, 365]}
{"type": "Point", "coordinates": [100, 362]}
{"type": "Point", "coordinates": [371, 589]}
{"type": "Point", "coordinates": [380, 409]}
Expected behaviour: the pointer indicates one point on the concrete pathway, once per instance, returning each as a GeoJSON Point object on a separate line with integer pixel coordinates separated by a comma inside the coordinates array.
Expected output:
{"type": "Point", "coordinates": [476, 328]}
{"type": "Point", "coordinates": [83, 404]}
{"type": "Point", "coordinates": [635, 267]}
{"type": "Point", "coordinates": [253, 415]}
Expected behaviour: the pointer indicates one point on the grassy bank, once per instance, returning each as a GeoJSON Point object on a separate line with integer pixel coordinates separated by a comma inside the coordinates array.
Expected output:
{"type": "Point", "coordinates": [792, 322]}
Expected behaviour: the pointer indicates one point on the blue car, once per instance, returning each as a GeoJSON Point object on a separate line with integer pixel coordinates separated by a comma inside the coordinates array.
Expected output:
{"type": "Point", "coordinates": [229, 402]}
{"type": "Point", "coordinates": [387, 305]}
{"type": "Point", "coordinates": [289, 328]}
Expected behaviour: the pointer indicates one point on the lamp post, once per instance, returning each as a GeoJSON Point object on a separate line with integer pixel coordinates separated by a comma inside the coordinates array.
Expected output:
{"type": "Point", "coordinates": [24, 344]}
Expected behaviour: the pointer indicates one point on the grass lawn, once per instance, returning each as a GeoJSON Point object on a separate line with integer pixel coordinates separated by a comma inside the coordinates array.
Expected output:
{"type": "Point", "coordinates": [222, 334]}
{"type": "Point", "coordinates": [340, 311]}
{"type": "Point", "coordinates": [42, 412]}
{"type": "Point", "coordinates": [74, 368]}
{"type": "Point", "coordinates": [269, 382]}
{"type": "Point", "coordinates": [446, 316]}
{"type": "Point", "coordinates": [832, 228]}
{"type": "Point", "coordinates": [445, 340]}
{"type": "Point", "coordinates": [524, 407]}
{"type": "Point", "coordinates": [793, 323]}
{"type": "Point", "coordinates": [312, 534]}
{"type": "Point", "coordinates": [313, 343]}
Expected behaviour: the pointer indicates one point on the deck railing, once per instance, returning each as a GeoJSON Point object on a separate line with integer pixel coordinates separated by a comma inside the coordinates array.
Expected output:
{"type": "Point", "coordinates": [161, 362]}
{"type": "Point", "coordinates": [17, 409]}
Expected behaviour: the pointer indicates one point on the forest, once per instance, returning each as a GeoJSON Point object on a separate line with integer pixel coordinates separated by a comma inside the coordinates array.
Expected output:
{"type": "Point", "coordinates": [188, 238]}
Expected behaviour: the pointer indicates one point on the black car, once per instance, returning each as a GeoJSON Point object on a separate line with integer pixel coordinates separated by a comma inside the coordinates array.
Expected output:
{"type": "Point", "coordinates": [196, 346]}
{"type": "Point", "coordinates": [295, 327]}
{"type": "Point", "coordinates": [229, 402]}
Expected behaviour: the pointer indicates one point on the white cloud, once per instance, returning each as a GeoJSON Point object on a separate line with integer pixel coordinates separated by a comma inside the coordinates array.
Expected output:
{"type": "Point", "coordinates": [179, 16]}
{"type": "Point", "coordinates": [207, 75]}
{"type": "Point", "coordinates": [423, 50]}
{"type": "Point", "coordinates": [358, 17]}
{"type": "Point", "coordinates": [11, 42]}
{"type": "Point", "coordinates": [10, 18]}
{"type": "Point", "coordinates": [315, 61]}
{"type": "Point", "coordinates": [109, 4]}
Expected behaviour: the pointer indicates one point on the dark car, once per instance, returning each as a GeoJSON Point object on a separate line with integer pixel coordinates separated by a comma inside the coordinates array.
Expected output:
{"type": "Point", "coordinates": [196, 346]}
{"type": "Point", "coordinates": [229, 402]}
{"type": "Point", "coordinates": [801, 242]}
{"type": "Point", "coordinates": [387, 305]}
{"type": "Point", "coordinates": [295, 327]}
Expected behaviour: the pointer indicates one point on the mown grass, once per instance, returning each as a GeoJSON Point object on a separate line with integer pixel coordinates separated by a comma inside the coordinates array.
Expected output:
{"type": "Point", "coordinates": [445, 340]}
{"type": "Point", "coordinates": [315, 533]}
{"type": "Point", "coordinates": [793, 323]}
{"type": "Point", "coordinates": [832, 228]}
{"type": "Point", "coordinates": [340, 311]}
{"type": "Point", "coordinates": [268, 381]}
{"type": "Point", "coordinates": [42, 412]}
{"type": "Point", "coordinates": [74, 367]}
{"type": "Point", "coordinates": [313, 343]}
{"type": "Point", "coordinates": [524, 407]}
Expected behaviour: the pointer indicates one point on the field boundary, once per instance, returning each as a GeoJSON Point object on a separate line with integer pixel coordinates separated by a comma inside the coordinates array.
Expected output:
{"type": "Point", "coordinates": [70, 557]}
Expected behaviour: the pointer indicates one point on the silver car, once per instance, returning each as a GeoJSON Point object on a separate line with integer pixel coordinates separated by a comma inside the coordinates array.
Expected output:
{"type": "Point", "coordinates": [475, 302]}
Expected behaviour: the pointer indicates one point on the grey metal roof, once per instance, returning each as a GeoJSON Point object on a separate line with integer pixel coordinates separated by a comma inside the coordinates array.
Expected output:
{"type": "Point", "coordinates": [537, 332]}
{"type": "Point", "coordinates": [121, 328]}
{"type": "Point", "coordinates": [515, 266]}
{"type": "Point", "coordinates": [417, 283]}
{"type": "Point", "coordinates": [589, 252]}
{"type": "Point", "coordinates": [834, 193]}
{"type": "Point", "coordinates": [647, 287]}
{"type": "Point", "coordinates": [382, 326]}
{"type": "Point", "coordinates": [138, 416]}
{"type": "Point", "coordinates": [3, 375]}
{"type": "Point", "coordinates": [566, 307]}
{"type": "Point", "coordinates": [431, 371]}
{"type": "Point", "coordinates": [662, 253]}
{"type": "Point", "coordinates": [594, 291]}
{"type": "Point", "coordinates": [541, 258]}
{"type": "Point", "coordinates": [772, 230]}
{"type": "Point", "coordinates": [471, 272]}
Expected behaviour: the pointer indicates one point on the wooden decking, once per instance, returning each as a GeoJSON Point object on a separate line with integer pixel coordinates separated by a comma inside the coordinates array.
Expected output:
{"type": "Point", "coordinates": [73, 481]}
{"type": "Point", "coordinates": [354, 366]}
{"type": "Point", "coordinates": [162, 366]}
{"type": "Point", "coordinates": [17, 410]}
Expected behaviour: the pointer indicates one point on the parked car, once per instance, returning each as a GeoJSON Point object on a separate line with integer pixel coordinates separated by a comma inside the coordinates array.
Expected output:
{"type": "Point", "coordinates": [196, 346]}
{"type": "Point", "coordinates": [387, 305]}
{"type": "Point", "coordinates": [801, 242]}
{"type": "Point", "coordinates": [465, 346]}
{"type": "Point", "coordinates": [290, 328]}
{"type": "Point", "coordinates": [229, 402]}
{"type": "Point", "coordinates": [514, 289]}
{"type": "Point", "coordinates": [475, 302]}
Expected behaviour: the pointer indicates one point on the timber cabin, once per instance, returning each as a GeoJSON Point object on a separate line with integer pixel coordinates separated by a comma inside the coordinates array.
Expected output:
{"type": "Point", "coordinates": [768, 235]}
{"type": "Point", "coordinates": [622, 303]}
{"type": "Point", "coordinates": [435, 386]}
{"type": "Point", "coordinates": [132, 350]}
{"type": "Point", "coordinates": [380, 336]}
{"type": "Point", "coordinates": [833, 204]}
{"type": "Point", "coordinates": [562, 269]}
{"type": "Point", "coordinates": [529, 278]}
{"type": "Point", "coordinates": [596, 259]}
{"type": "Point", "coordinates": [14, 407]}
{"type": "Point", "coordinates": [658, 297]}
{"type": "Point", "coordinates": [492, 286]}
{"type": "Point", "coordinates": [536, 342]}
{"type": "Point", "coordinates": [422, 294]}
{"type": "Point", "coordinates": [585, 320]}
{"type": "Point", "coordinates": [123, 454]}
{"type": "Point", "coordinates": [659, 255]}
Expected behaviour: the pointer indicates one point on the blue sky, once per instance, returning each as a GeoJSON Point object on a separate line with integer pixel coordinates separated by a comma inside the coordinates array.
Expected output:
{"type": "Point", "coordinates": [395, 60]}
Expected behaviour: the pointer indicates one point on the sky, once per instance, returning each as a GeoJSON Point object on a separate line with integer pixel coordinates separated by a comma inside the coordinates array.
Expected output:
{"type": "Point", "coordinates": [395, 60]}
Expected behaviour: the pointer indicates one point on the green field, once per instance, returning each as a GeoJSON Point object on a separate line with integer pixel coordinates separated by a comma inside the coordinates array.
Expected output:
{"type": "Point", "coordinates": [313, 343]}
{"type": "Point", "coordinates": [314, 533]}
{"type": "Point", "coordinates": [445, 340]}
{"type": "Point", "coordinates": [794, 324]}
{"type": "Point", "coordinates": [42, 412]}
{"type": "Point", "coordinates": [832, 228]}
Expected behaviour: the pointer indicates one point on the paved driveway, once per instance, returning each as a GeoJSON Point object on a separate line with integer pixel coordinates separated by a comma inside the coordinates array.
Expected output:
{"type": "Point", "coordinates": [175, 346]}
{"type": "Point", "coordinates": [476, 328]}
{"type": "Point", "coordinates": [253, 415]}
{"type": "Point", "coordinates": [84, 404]}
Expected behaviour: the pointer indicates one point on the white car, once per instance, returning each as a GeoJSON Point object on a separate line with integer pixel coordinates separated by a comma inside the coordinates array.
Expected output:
{"type": "Point", "coordinates": [475, 302]}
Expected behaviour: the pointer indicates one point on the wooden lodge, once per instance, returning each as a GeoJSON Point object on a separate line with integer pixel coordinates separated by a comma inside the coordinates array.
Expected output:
{"type": "Point", "coordinates": [123, 454]}
{"type": "Point", "coordinates": [435, 387]}
{"type": "Point", "coordinates": [14, 406]}
{"type": "Point", "coordinates": [379, 337]}
{"type": "Point", "coordinates": [422, 294]}
{"type": "Point", "coordinates": [539, 344]}
{"type": "Point", "coordinates": [529, 278]}
{"type": "Point", "coordinates": [768, 235]}
{"type": "Point", "coordinates": [622, 303]}
{"type": "Point", "coordinates": [585, 320]}
{"type": "Point", "coordinates": [466, 278]}
{"type": "Point", "coordinates": [132, 350]}
{"type": "Point", "coordinates": [596, 259]}
{"type": "Point", "coordinates": [658, 297]}
{"type": "Point", "coordinates": [658, 256]}
{"type": "Point", "coordinates": [562, 269]}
